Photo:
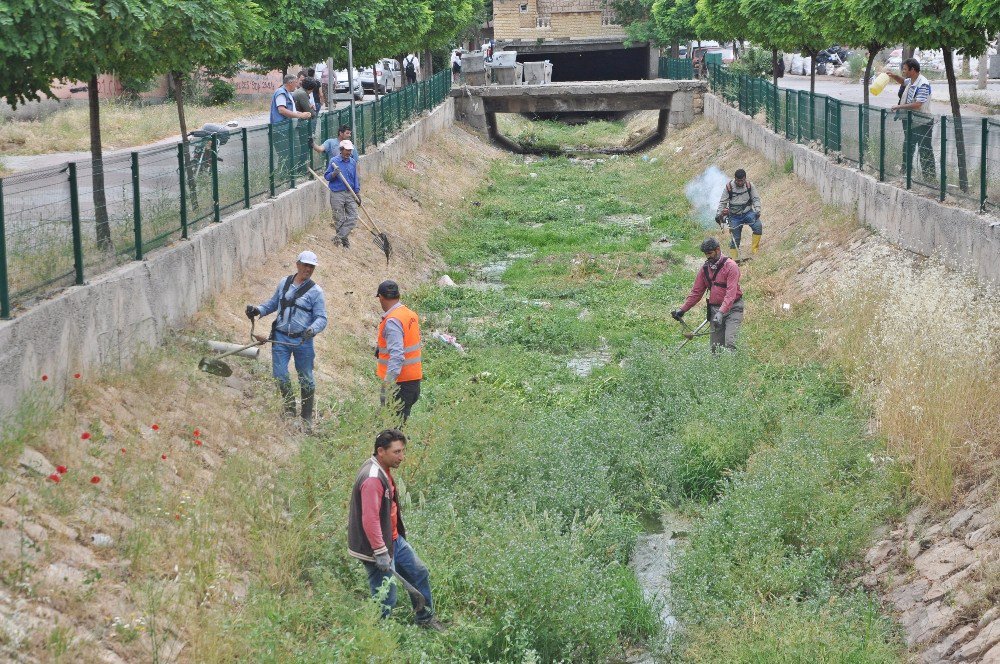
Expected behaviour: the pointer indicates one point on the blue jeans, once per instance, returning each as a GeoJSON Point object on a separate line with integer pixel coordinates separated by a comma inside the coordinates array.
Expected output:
{"type": "Point", "coordinates": [304, 356]}
{"type": "Point", "coordinates": [411, 568]}
{"type": "Point", "coordinates": [736, 222]}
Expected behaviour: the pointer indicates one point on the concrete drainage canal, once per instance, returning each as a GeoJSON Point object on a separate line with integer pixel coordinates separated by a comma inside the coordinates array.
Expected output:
{"type": "Point", "coordinates": [653, 562]}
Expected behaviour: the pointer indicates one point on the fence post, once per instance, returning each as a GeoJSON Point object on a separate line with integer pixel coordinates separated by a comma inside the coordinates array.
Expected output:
{"type": "Point", "coordinates": [4, 285]}
{"type": "Point", "coordinates": [293, 131]}
{"type": "Point", "coordinates": [181, 170]}
{"type": "Point", "coordinates": [136, 207]}
{"type": "Point", "coordinates": [826, 124]}
{"type": "Point", "coordinates": [246, 169]}
{"type": "Point", "coordinates": [312, 132]}
{"type": "Point", "coordinates": [270, 157]}
{"type": "Point", "coordinates": [944, 155]}
{"type": "Point", "coordinates": [216, 212]}
{"type": "Point", "coordinates": [776, 106]}
{"type": "Point", "coordinates": [840, 126]}
{"type": "Point", "coordinates": [788, 126]}
{"type": "Point", "coordinates": [812, 117]}
{"type": "Point", "coordinates": [74, 213]}
{"type": "Point", "coordinates": [984, 140]}
{"type": "Point", "coordinates": [862, 116]}
{"type": "Point", "coordinates": [798, 117]}
{"type": "Point", "coordinates": [908, 149]}
{"type": "Point", "coordinates": [881, 145]}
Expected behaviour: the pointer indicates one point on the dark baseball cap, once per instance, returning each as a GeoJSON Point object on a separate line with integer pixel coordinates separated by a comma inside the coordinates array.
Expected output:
{"type": "Point", "coordinates": [388, 289]}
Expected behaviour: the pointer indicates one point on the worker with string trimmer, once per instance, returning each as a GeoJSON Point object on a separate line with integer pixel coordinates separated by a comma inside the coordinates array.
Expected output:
{"type": "Point", "coordinates": [720, 276]}
{"type": "Point", "coordinates": [301, 316]}
{"type": "Point", "coordinates": [345, 192]}
{"type": "Point", "coordinates": [739, 206]}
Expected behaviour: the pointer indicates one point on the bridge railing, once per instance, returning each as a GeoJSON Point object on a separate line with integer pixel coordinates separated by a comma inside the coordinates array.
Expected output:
{"type": "Point", "coordinates": [915, 150]}
{"type": "Point", "coordinates": [60, 226]}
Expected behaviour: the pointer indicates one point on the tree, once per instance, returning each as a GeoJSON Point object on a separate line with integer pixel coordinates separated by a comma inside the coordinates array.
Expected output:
{"type": "Point", "coordinates": [120, 44]}
{"type": "Point", "coordinates": [34, 41]}
{"type": "Point", "coordinates": [721, 20]}
{"type": "Point", "coordinates": [788, 25]}
{"type": "Point", "coordinates": [845, 25]}
{"type": "Point", "coordinates": [672, 22]}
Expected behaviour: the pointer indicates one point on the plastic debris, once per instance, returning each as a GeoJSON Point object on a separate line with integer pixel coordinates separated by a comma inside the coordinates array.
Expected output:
{"type": "Point", "coordinates": [449, 339]}
{"type": "Point", "coordinates": [445, 280]}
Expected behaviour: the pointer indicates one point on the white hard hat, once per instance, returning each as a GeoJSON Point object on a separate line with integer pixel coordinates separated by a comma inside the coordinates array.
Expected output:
{"type": "Point", "coordinates": [309, 258]}
{"type": "Point", "coordinates": [346, 145]}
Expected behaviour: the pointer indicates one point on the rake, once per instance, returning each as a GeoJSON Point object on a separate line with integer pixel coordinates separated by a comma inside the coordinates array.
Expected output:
{"type": "Point", "coordinates": [380, 239]}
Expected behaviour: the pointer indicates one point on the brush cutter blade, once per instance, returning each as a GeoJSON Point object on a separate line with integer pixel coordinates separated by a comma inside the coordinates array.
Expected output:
{"type": "Point", "coordinates": [215, 367]}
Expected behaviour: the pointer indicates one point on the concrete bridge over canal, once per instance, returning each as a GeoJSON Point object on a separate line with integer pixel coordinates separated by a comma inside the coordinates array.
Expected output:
{"type": "Point", "coordinates": [677, 101]}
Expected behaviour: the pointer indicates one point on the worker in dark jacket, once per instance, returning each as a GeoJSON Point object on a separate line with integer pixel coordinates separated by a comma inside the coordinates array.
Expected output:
{"type": "Point", "coordinates": [720, 276]}
{"type": "Point", "coordinates": [375, 531]}
{"type": "Point", "coordinates": [740, 205]}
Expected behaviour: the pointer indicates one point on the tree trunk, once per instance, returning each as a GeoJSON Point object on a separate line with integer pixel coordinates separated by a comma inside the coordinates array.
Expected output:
{"type": "Point", "coordinates": [102, 227]}
{"type": "Point", "coordinates": [907, 52]}
{"type": "Point", "coordinates": [872, 52]}
{"type": "Point", "coordinates": [983, 70]}
{"type": "Point", "coordinates": [428, 68]}
{"type": "Point", "coordinates": [774, 66]}
{"type": "Point", "coordinates": [375, 79]}
{"type": "Point", "coordinates": [178, 80]}
{"type": "Point", "coordinates": [812, 71]}
{"type": "Point", "coordinates": [675, 49]}
{"type": "Point", "coordinates": [966, 70]}
{"type": "Point", "coordinates": [956, 112]}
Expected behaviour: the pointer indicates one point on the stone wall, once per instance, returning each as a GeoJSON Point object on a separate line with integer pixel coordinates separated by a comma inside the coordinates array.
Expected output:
{"type": "Point", "coordinates": [553, 19]}
{"type": "Point", "coordinates": [960, 238]}
{"type": "Point", "coordinates": [108, 322]}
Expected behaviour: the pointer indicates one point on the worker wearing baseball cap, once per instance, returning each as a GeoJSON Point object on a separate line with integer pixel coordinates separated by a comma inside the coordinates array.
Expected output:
{"type": "Point", "coordinates": [345, 182]}
{"type": "Point", "coordinates": [301, 316]}
{"type": "Point", "coordinates": [398, 354]}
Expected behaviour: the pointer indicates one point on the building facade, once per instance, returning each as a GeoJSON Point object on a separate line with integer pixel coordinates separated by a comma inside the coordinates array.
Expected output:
{"type": "Point", "coordinates": [531, 20]}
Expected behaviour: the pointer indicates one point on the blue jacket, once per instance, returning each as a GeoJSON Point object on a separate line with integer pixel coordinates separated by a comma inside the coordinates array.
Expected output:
{"type": "Point", "coordinates": [349, 168]}
{"type": "Point", "coordinates": [309, 311]}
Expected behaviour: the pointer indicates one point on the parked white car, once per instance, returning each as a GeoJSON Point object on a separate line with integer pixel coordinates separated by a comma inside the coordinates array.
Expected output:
{"type": "Point", "coordinates": [386, 72]}
{"type": "Point", "coordinates": [340, 87]}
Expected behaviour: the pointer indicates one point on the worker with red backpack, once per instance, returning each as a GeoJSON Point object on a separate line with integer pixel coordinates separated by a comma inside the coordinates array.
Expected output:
{"type": "Point", "coordinates": [720, 277]}
{"type": "Point", "coordinates": [740, 205]}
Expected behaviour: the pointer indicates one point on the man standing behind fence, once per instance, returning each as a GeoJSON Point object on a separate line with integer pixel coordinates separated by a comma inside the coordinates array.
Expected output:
{"type": "Point", "coordinates": [411, 67]}
{"type": "Point", "coordinates": [916, 98]}
{"type": "Point", "coordinates": [342, 200]}
{"type": "Point", "coordinates": [282, 113]}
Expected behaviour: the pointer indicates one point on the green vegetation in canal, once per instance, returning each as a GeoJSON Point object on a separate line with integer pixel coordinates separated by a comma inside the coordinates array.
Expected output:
{"type": "Point", "coordinates": [526, 476]}
{"type": "Point", "coordinates": [554, 136]}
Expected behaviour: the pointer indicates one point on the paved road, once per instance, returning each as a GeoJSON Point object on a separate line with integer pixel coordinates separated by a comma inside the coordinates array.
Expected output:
{"type": "Point", "coordinates": [853, 92]}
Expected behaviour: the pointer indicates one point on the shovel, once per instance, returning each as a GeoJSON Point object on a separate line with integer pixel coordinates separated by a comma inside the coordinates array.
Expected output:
{"type": "Point", "coordinates": [378, 236]}
{"type": "Point", "coordinates": [215, 365]}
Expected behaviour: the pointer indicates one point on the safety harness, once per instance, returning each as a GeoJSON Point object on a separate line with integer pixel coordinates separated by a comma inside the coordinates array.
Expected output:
{"type": "Point", "coordinates": [729, 191]}
{"type": "Point", "coordinates": [710, 278]}
{"type": "Point", "coordinates": [285, 303]}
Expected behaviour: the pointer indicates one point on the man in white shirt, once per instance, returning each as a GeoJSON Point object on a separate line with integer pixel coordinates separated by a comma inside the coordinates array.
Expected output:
{"type": "Point", "coordinates": [916, 98]}
{"type": "Point", "coordinates": [411, 68]}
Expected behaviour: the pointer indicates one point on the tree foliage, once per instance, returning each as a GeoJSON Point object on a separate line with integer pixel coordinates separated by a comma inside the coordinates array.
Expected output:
{"type": "Point", "coordinates": [673, 20]}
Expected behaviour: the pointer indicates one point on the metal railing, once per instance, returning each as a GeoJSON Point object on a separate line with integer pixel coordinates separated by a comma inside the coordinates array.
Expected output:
{"type": "Point", "coordinates": [678, 69]}
{"type": "Point", "coordinates": [957, 160]}
{"type": "Point", "coordinates": [58, 229]}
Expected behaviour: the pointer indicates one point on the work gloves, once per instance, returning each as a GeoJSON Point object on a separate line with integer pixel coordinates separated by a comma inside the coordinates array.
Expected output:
{"type": "Point", "coordinates": [756, 216]}
{"type": "Point", "coordinates": [308, 333]}
{"type": "Point", "coordinates": [677, 315]}
{"type": "Point", "coordinates": [718, 318]}
{"type": "Point", "coordinates": [311, 142]}
{"type": "Point", "coordinates": [252, 311]}
{"type": "Point", "coordinates": [383, 562]}
{"type": "Point", "coordinates": [719, 218]}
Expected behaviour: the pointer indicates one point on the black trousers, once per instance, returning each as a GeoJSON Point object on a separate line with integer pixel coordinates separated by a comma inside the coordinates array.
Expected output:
{"type": "Point", "coordinates": [408, 392]}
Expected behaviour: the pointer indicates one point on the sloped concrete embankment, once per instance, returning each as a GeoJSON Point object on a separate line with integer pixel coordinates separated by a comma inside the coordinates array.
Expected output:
{"type": "Point", "coordinates": [961, 239]}
{"type": "Point", "coordinates": [107, 322]}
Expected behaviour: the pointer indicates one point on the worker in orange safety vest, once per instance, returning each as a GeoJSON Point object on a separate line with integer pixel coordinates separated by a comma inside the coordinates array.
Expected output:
{"type": "Point", "coordinates": [398, 352]}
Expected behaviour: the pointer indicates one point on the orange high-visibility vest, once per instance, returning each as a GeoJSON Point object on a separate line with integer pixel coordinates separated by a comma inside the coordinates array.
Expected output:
{"type": "Point", "coordinates": [412, 368]}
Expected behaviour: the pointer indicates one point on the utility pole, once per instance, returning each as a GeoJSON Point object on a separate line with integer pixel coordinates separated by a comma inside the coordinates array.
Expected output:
{"type": "Point", "coordinates": [330, 102]}
{"type": "Point", "coordinates": [350, 82]}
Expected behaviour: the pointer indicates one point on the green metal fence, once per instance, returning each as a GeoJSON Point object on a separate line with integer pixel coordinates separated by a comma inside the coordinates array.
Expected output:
{"type": "Point", "coordinates": [58, 229]}
{"type": "Point", "coordinates": [678, 69]}
{"type": "Point", "coordinates": [915, 150]}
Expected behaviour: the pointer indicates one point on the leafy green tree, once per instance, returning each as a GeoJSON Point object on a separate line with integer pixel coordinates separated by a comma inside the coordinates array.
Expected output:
{"type": "Point", "coordinates": [34, 42]}
{"type": "Point", "coordinates": [636, 17]}
{"type": "Point", "coordinates": [673, 22]}
{"type": "Point", "coordinates": [843, 25]}
{"type": "Point", "coordinates": [721, 20]}
{"type": "Point", "coordinates": [787, 25]}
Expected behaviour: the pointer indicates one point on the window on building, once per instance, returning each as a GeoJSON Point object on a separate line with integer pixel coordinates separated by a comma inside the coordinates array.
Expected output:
{"type": "Point", "coordinates": [543, 22]}
{"type": "Point", "coordinates": [524, 7]}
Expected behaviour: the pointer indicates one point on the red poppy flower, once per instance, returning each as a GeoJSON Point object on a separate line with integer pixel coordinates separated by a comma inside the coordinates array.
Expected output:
{"type": "Point", "coordinates": [163, 456]}
{"type": "Point", "coordinates": [61, 470]}
{"type": "Point", "coordinates": [155, 427]}
{"type": "Point", "coordinates": [55, 477]}
{"type": "Point", "coordinates": [44, 377]}
{"type": "Point", "coordinates": [85, 435]}
{"type": "Point", "coordinates": [198, 443]}
{"type": "Point", "coordinates": [76, 375]}
{"type": "Point", "coordinates": [123, 450]}
{"type": "Point", "coordinates": [95, 480]}
{"type": "Point", "coordinates": [197, 433]}
{"type": "Point", "coordinates": [177, 516]}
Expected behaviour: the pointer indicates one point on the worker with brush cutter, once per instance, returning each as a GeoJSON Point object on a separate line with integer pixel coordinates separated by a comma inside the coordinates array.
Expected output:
{"type": "Point", "coordinates": [301, 316]}
{"type": "Point", "coordinates": [720, 276]}
{"type": "Point", "coordinates": [740, 204]}
{"type": "Point", "coordinates": [342, 196]}
{"type": "Point", "coordinates": [398, 352]}
{"type": "Point", "coordinates": [376, 535]}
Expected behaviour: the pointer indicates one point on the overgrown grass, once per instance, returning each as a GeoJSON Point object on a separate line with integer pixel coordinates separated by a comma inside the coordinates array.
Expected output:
{"type": "Point", "coordinates": [524, 482]}
{"type": "Point", "coordinates": [554, 135]}
{"type": "Point", "coordinates": [122, 126]}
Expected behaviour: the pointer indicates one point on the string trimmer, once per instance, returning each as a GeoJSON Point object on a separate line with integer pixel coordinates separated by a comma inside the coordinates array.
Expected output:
{"type": "Point", "coordinates": [215, 365]}
{"type": "Point", "coordinates": [690, 334]}
{"type": "Point", "coordinates": [380, 238]}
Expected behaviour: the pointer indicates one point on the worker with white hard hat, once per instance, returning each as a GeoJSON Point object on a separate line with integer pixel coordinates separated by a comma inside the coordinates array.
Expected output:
{"type": "Point", "coordinates": [301, 316]}
{"type": "Point", "coordinates": [345, 192]}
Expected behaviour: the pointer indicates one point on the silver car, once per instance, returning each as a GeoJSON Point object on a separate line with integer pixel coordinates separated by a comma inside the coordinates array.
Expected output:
{"type": "Point", "coordinates": [340, 89]}
{"type": "Point", "coordinates": [386, 72]}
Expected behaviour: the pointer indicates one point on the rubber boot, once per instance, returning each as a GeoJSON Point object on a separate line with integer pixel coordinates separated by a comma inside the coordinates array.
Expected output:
{"type": "Point", "coordinates": [755, 243]}
{"type": "Point", "coordinates": [734, 253]}
{"type": "Point", "coordinates": [308, 399]}
{"type": "Point", "coordinates": [288, 398]}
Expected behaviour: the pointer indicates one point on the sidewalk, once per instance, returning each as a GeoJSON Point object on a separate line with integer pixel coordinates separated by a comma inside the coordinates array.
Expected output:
{"type": "Point", "coordinates": [16, 164]}
{"type": "Point", "coordinates": [845, 90]}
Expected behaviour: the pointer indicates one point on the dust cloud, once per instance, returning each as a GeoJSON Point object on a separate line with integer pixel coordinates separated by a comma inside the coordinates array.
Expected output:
{"type": "Point", "coordinates": [704, 193]}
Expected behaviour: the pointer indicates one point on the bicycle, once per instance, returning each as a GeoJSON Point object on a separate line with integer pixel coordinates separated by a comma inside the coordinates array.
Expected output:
{"type": "Point", "coordinates": [201, 159]}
